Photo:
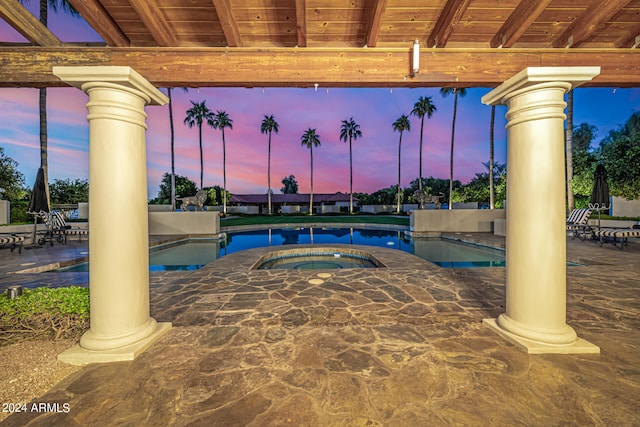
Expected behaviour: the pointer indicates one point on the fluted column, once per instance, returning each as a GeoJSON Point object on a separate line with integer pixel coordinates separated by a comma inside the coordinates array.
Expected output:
{"type": "Point", "coordinates": [535, 316]}
{"type": "Point", "coordinates": [121, 326]}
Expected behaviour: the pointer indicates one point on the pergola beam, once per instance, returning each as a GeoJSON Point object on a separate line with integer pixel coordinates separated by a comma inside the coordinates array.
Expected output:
{"type": "Point", "coordinates": [98, 18]}
{"type": "Point", "coordinates": [155, 23]}
{"type": "Point", "coordinates": [301, 22]}
{"type": "Point", "coordinates": [228, 23]}
{"type": "Point", "coordinates": [518, 22]}
{"type": "Point", "coordinates": [290, 67]}
{"type": "Point", "coordinates": [377, 12]}
{"type": "Point", "coordinates": [449, 18]}
{"type": "Point", "coordinates": [585, 25]}
{"type": "Point", "coordinates": [631, 40]}
{"type": "Point", "coordinates": [26, 24]}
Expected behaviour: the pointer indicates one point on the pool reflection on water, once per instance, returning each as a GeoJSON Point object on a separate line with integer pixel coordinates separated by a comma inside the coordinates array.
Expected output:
{"type": "Point", "coordinates": [196, 253]}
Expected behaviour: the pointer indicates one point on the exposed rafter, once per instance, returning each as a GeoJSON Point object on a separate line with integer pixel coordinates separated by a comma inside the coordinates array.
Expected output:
{"type": "Point", "coordinates": [96, 16]}
{"type": "Point", "coordinates": [228, 23]}
{"type": "Point", "coordinates": [155, 23]}
{"type": "Point", "coordinates": [518, 22]}
{"type": "Point", "coordinates": [301, 22]}
{"type": "Point", "coordinates": [26, 24]}
{"type": "Point", "coordinates": [449, 18]}
{"type": "Point", "coordinates": [631, 40]}
{"type": "Point", "coordinates": [377, 12]}
{"type": "Point", "coordinates": [596, 15]}
{"type": "Point", "coordinates": [284, 67]}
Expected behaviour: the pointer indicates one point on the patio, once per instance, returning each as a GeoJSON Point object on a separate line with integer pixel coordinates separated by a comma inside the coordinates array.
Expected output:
{"type": "Point", "coordinates": [398, 346]}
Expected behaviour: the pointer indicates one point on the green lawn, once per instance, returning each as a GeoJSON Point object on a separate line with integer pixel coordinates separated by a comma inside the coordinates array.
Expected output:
{"type": "Point", "coordinates": [348, 219]}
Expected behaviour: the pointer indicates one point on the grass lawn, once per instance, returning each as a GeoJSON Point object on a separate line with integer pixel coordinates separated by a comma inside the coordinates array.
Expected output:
{"type": "Point", "coordinates": [348, 219]}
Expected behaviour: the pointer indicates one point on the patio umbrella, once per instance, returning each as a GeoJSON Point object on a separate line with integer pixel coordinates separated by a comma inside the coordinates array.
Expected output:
{"type": "Point", "coordinates": [600, 195]}
{"type": "Point", "coordinates": [38, 202]}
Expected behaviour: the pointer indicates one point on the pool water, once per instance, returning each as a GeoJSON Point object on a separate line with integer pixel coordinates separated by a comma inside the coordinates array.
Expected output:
{"type": "Point", "coordinates": [197, 253]}
{"type": "Point", "coordinates": [316, 261]}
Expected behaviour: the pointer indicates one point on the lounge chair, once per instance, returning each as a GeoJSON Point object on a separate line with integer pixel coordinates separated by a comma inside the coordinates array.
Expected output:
{"type": "Point", "coordinates": [578, 223]}
{"type": "Point", "coordinates": [58, 229]}
{"type": "Point", "coordinates": [616, 235]}
{"type": "Point", "coordinates": [13, 240]}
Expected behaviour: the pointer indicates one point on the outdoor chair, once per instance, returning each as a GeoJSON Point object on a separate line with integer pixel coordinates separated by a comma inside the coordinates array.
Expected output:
{"type": "Point", "coordinates": [13, 240]}
{"type": "Point", "coordinates": [578, 223]}
{"type": "Point", "coordinates": [60, 223]}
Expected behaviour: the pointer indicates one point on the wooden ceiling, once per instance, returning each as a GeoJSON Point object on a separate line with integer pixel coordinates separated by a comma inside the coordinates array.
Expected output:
{"type": "Point", "coordinates": [334, 43]}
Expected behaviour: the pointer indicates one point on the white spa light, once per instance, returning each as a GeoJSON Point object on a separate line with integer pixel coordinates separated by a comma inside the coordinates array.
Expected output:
{"type": "Point", "coordinates": [416, 57]}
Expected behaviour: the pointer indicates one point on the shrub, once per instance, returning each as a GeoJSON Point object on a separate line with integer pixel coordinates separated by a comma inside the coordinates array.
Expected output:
{"type": "Point", "coordinates": [44, 313]}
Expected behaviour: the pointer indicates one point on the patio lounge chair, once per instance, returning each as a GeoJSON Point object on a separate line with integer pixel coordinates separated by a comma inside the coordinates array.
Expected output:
{"type": "Point", "coordinates": [616, 235]}
{"type": "Point", "coordinates": [60, 223]}
{"type": "Point", "coordinates": [578, 223]}
{"type": "Point", "coordinates": [12, 240]}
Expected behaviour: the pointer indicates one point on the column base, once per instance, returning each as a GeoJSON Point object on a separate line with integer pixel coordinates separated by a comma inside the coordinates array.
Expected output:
{"type": "Point", "coordinates": [579, 346]}
{"type": "Point", "coordinates": [77, 355]}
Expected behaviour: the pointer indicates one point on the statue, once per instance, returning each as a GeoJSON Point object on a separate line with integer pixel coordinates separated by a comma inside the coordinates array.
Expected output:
{"type": "Point", "coordinates": [422, 198]}
{"type": "Point", "coordinates": [198, 201]}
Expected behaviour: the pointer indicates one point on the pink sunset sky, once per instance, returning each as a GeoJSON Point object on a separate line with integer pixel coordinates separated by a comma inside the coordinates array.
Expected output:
{"type": "Point", "coordinates": [375, 155]}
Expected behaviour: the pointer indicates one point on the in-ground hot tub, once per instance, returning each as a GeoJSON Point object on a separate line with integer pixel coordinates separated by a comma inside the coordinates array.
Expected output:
{"type": "Point", "coordinates": [316, 258]}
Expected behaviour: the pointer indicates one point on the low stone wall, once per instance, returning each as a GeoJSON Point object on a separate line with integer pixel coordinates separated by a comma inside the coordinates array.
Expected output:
{"type": "Point", "coordinates": [624, 207]}
{"type": "Point", "coordinates": [5, 212]}
{"type": "Point", "coordinates": [452, 221]}
{"type": "Point", "coordinates": [247, 210]}
{"type": "Point", "coordinates": [191, 223]}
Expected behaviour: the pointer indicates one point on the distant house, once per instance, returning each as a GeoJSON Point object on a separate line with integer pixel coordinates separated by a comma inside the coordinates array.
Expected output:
{"type": "Point", "coordinates": [290, 203]}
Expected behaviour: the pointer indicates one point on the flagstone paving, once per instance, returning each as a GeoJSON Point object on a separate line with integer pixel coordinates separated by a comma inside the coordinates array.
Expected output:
{"type": "Point", "coordinates": [396, 346]}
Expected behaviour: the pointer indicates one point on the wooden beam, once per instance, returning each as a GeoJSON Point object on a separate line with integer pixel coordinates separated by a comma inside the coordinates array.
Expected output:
{"type": "Point", "coordinates": [97, 17]}
{"type": "Point", "coordinates": [630, 40]}
{"type": "Point", "coordinates": [291, 67]}
{"type": "Point", "coordinates": [518, 22]}
{"type": "Point", "coordinates": [228, 23]}
{"type": "Point", "coordinates": [449, 18]}
{"type": "Point", "coordinates": [377, 12]}
{"type": "Point", "coordinates": [596, 15]}
{"type": "Point", "coordinates": [26, 24]}
{"type": "Point", "coordinates": [301, 22]}
{"type": "Point", "coordinates": [155, 23]}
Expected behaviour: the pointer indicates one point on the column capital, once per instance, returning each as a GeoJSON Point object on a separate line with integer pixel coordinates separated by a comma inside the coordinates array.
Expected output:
{"type": "Point", "coordinates": [120, 75]}
{"type": "Point", "coordinates": [532, 76]}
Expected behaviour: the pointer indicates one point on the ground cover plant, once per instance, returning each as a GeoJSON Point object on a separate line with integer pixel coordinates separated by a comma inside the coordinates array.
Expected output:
{"type": "Point", "coordinates": [44, 313]}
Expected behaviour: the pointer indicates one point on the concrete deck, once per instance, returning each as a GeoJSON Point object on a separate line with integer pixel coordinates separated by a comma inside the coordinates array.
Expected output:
{"type": "Point", "coordinates": [400, 346]}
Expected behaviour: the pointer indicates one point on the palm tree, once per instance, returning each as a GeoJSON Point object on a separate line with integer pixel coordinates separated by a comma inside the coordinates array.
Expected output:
{"type": "Point", "coordinates": [400, 125]}
{"type": "Point", "coordinates": [424, 107]}
{"type": "Point", "coordinates": [196, 115]}
{"type": "Point", "coordinates": [350, 129]}
{"type": "Point", "coordinates": [309, 140]}
{"type": "Point", "coordinates": [446, 91]}
{"type": "Point", "coordinates": [221, 121]}
{"type": "Point", "coordinates": [173, 159]}
{"type": "Point", "coordinates": [42, 96]}
{"type": "Point", "coordinates": [492, 195]}
{"type": "Point", "coordinates": [569, 148]}
{"type": "Point", "coordinates": [269, 125]}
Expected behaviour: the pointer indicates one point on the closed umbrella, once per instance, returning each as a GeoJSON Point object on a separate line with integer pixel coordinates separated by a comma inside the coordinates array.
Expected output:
{"type": "Point", "coordinates": [38, 202]}
{"type": "Point", "coordinates": [600, 195]}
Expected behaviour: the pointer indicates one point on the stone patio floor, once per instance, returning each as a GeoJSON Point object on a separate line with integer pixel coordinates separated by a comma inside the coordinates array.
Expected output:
{"type": "Point", "coordinates": [399, 346]}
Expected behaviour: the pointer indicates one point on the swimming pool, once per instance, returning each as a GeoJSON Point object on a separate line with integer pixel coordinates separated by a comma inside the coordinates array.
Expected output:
{"type": "Point", "coordinates": [196, 253]}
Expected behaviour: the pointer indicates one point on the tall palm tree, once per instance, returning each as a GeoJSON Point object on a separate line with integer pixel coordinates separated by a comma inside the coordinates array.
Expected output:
{"type": "Point", "coordinates": [424, 107]}
{"type": "Point", "coordinates": [173, 159]}
{"type": "Point", "coordinates": [269, 125]}
{"type": "Point", "coordinates": [400, 125]}
{"type": "Point", "coordinates": [221, 121]}
{"type": "Point", "coordinates": [42, 95]}
{"type": "Point", "coordinates": [569, 149]}
{"type": "Point", "coordinates": [492, 191]}
{"type": "Point", "coordinates": [309, 140]}
{"type": "Point", "coordinates": [197, 115]}
{"type": "Point", "coordinates": [350, 129]}
{"type": "Point", "coordinates": [446, 91]}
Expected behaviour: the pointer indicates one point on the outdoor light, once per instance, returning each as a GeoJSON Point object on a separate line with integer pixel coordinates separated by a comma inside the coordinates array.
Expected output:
{"type": "Point", "coordinates": [416, 56]}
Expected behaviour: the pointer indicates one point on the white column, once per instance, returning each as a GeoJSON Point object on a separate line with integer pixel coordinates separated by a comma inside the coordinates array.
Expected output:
{"type": "Point", "coordinates": [535, 317]}
{"type": "Point", "coordinates": [121, 327]}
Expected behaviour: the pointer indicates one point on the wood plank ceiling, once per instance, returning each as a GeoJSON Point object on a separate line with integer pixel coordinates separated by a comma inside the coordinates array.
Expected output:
{"type": "Point", "coordinates": [334, 43]}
